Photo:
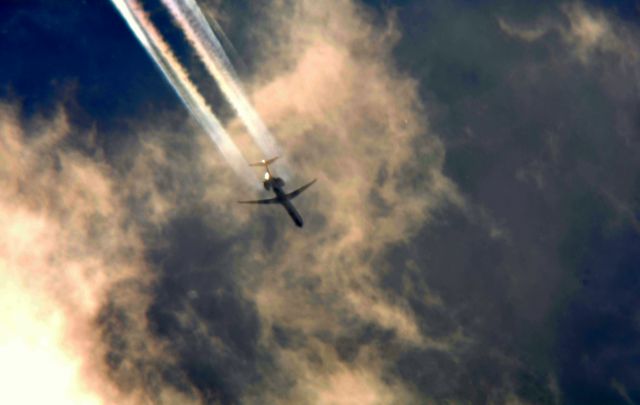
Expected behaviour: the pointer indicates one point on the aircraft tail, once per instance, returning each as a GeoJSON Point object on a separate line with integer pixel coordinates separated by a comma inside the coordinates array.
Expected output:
{"type": "Point", "coordinates": [264, 162]}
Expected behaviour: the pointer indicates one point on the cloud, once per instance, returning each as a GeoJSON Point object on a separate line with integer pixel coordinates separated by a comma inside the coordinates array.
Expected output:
{"type": "Point", "coordinates": [552, 160]}
{"type": "Point", "coordinates": [598, 44]}
{"type": "Point", "coordinates": [298, 299]}
{"type": "Point", "coordinates": [345, 115]}
{"type": "Point", "coordinates": [588, 31]}
{"type": "Point", "coordinates": [135, 278]}
{"type": "Point", "coordinates": [144, 282]}
{"type": "Point", "coordinates": [65, 242]}
{"type": "Point", "coordinates": [525, 33]}
{"type": "Point", "coordinates": [157, 287]}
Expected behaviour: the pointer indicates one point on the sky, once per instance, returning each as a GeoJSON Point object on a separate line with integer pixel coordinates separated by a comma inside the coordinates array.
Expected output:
{"type": "Point", "coordinates": [473, 236]}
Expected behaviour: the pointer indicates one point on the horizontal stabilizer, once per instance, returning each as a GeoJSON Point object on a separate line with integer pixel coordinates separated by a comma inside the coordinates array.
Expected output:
{"type": "Point", "coordinates": [264, 162]}
{"type": "Point", "coordinates": [267, 201]}
{"type": "Point", "coordinates": [297, 192]}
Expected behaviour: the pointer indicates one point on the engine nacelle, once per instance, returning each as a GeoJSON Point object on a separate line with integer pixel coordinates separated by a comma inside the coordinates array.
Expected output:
{"type": "Point", "coordinates": [273, 182]}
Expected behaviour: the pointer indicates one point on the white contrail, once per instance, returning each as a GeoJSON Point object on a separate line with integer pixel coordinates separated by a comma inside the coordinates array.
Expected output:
{"type": "Point", "coordinates": [177, 76]}
{"type": "Point", "coordinates": [190, 19]}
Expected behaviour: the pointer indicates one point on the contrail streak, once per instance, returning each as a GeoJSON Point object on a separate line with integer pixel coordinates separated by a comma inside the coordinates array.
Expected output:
{"type": "Point", "coordinates": [177, 76]}
{"type": "Point", "coordinates": [190, 19]}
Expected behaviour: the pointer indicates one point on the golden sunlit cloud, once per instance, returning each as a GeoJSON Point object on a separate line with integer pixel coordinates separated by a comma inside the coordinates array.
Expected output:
{"type": "Point", "coordinates": [64, 243]}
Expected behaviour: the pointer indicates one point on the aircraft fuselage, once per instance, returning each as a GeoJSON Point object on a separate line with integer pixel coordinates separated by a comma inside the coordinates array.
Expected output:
{"type": "Point", "coordinates": [276, 185]}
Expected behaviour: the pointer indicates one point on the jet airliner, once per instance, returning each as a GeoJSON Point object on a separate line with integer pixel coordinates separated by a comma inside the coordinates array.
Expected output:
{"type": "Point", "coordinates": [276, 184]}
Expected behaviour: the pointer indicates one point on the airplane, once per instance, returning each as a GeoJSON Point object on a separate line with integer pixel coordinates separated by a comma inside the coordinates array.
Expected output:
{"type": "Point", "coordinates": [276, 184]}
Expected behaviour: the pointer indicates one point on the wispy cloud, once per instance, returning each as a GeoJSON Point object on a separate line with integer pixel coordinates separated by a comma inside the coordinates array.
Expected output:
{"type": "Point", "coordinates": [65, 241]}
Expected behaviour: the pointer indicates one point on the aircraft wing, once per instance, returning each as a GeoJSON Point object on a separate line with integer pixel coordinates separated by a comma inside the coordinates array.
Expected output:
{"type": "Point", "coordinates": [267, 201]}
{"type": "Point", "coordinates": [297, 192]}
